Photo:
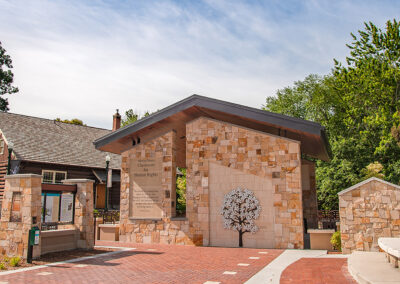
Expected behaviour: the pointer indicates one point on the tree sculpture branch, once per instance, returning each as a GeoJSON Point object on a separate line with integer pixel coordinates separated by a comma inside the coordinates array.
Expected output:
{"type": "Point", "coordinates": [239, 210]}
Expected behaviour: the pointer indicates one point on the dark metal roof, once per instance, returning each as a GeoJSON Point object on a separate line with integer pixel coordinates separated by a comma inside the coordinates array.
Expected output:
{"type": "Point", "coordinates": [279, 121]}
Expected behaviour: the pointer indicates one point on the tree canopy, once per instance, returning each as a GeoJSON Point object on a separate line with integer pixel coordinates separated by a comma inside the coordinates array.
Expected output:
{"type": "Point", "coordinates": [72, 121]}
{"type": "Point", "coordinates": [6, 79]}
{"type": "Point", "coordinates": [358, 103]}
{"type": "Point", "coordinates": [131, 117]}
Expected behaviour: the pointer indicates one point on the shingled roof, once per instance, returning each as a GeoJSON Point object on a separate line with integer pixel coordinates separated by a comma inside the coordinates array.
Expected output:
{"type": "Point", "coordinates": [49, 141]}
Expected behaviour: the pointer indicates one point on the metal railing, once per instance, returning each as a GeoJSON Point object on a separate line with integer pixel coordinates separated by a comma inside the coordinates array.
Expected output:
{"type": "Point", "coordinates": [109, 216]}
{"type": "Point", "coordinates": [327, 219]}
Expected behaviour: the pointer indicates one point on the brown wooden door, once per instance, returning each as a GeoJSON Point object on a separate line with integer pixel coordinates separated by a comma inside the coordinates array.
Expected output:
{"type": "Point", "coordinates": [100, 195]}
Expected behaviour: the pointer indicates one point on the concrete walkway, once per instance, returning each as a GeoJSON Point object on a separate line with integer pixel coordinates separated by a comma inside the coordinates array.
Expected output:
{"type": "Point", "coordinates": [372, 268]}
{"type": "Point", "coordinates": [272, 272]}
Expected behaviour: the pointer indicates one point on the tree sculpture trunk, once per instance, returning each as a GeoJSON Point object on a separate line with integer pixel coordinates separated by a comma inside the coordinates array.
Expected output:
{"type": "Point", "coordinates": [240, 239]}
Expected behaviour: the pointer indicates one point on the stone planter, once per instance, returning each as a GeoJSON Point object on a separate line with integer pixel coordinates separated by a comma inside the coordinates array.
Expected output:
{"type": "Point", "coordinates": [109, 232]}
{"type": "Point", "coordinates": [98, 221]}
{"type": "Point", "coordinates": [321, 239]}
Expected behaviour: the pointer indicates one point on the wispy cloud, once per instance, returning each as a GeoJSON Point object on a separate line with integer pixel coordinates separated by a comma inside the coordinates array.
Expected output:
{"type": "Point", "coordinates": [85, 59]}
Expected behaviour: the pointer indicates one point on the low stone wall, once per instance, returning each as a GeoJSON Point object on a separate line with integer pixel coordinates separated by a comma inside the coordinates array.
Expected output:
{"type": "Point", "coordinates": [369, 210]}
{"type": "Point", "coordinates": [109, 232]}
{"type": "Point", "coordinates": [321, 239]}
{"type": "Point", "coordinates": [164, 231]}
{"type": "Point", "coordinates": [58, 240]}
{"type": "Point", "coordinates": [21, 210]}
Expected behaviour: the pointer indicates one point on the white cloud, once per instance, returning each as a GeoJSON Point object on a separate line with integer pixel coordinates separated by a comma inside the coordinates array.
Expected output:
{"type": "Point", "coordinates": [84, 60]}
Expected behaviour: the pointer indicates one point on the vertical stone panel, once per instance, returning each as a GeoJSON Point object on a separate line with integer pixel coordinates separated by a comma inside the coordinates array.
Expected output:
{"type": "Point", "coordinates": [17, 219]}
{"type": "Point", "coordinates": [83, 219]}
{"type": "Point", "coordinates": [252, 152]}
{"type": "Point", "coordinates": [166, 229]}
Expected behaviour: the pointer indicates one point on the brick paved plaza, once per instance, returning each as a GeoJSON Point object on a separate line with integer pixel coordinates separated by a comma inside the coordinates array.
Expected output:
{"type": "Point", "coordinates": [182, 264]}
{"type": "Point", "coordinates": [317, 270]}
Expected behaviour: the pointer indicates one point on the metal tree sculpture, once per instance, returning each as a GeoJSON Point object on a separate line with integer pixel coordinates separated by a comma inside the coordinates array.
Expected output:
{"type": "Point", "coordinates": [239, 211]}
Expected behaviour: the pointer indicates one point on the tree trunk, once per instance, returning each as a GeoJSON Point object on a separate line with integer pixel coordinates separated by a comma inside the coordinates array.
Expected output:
{"type": "Point", "coordinates": [240, 239]}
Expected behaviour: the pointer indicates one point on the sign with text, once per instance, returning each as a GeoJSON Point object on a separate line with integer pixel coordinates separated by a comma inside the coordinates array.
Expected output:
{"type": "Point", "coordinates": [67, 207]}
{"type": "Point", "coordinates": [146, 195]}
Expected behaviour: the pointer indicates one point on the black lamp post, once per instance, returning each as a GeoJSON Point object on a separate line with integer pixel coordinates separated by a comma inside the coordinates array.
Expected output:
{"type": "Point", "coordinates": [10, 149]}
{"type": "Point", "coordinates": [108, 158]}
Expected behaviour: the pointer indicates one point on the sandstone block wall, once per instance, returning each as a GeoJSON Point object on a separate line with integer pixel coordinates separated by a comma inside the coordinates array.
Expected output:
{"type": "Point", "coordinates": [164, 230]}
{"type": "Point", "coordinates": [368, 211]}
{"type": "Point", "coordinates": [274, 158]}
{"type": "Point", "coordinates": [17, 217]}
{"type": "Point", "coordinates": [83, 218]}
{"type": "Point", "coordinates": [22, 206]}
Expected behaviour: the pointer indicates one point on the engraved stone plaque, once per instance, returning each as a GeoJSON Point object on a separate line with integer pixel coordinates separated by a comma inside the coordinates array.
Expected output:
{"type": "Point", "coordinates": [146, 195]}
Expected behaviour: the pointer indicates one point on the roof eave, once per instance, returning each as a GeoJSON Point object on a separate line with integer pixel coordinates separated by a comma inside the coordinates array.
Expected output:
{"type": "Point", "coordinates": [199, 101]}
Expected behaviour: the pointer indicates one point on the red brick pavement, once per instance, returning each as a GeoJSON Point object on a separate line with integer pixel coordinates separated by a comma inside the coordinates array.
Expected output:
{"type": "Point", "coordinates": [166, 264]}
{"type": "Point", "coordinates": [317, 270]}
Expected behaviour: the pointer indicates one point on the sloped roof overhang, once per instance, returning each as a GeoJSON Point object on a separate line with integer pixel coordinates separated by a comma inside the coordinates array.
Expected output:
{"type": "Point", "coordinates": [311, 135]}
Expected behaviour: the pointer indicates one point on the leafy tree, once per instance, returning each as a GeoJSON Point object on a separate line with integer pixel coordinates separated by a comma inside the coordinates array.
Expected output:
{"type": "Point", "coordinates": [373, 170]}
{"type": "Point", "coordinates": [181, 192]}
{"type": "Point", "coordinates": [131, 117]}
{"type": "Point", "coordinates": [72, 121]}
{"type": "Point", "coordinates": [6, 78]}
{"type": "Point", "coordinates": [358, 103]}
{"type": "Point", "coordinates": [239, 211]}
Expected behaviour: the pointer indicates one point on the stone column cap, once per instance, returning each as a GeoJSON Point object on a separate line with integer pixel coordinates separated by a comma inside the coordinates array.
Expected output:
{"type": "Point", "coordinates": [77, 180]}
{"type": "Point", "coordinates": [23, 176]}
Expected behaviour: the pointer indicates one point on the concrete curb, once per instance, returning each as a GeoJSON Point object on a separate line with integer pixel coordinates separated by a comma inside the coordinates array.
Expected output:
{"type": "Point", "coordinates": [272, 272]}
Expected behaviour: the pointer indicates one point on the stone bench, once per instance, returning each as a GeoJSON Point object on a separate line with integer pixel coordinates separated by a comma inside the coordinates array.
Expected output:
{"type": "Point", "coordinates": [391, 246]}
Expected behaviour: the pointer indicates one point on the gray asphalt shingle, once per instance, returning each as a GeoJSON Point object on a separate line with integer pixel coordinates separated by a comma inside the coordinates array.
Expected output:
{"type": "Point", "coordinates": [46, 140]}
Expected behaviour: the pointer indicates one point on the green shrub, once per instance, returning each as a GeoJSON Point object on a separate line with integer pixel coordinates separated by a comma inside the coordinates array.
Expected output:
{"type": "Point", "coordinates": [336, 241]}
{"type": "Point", "coordinates": [15, 261]}
{"type": "Point", "coordinates": [6, 259]}
{"type": "Point", "coordinates": [2, 266]}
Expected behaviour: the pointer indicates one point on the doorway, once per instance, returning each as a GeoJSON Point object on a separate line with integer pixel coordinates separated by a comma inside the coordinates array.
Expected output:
{"type": "Point", "coordinates": [100, 196]}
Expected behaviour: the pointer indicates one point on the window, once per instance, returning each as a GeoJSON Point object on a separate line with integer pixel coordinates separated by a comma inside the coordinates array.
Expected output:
{"type": "Point", "coordinates": [57, 207]}
{"type": "Point", "coordinates": [53, 176]}
{"type": "Point", "coordinates": [1, 146]}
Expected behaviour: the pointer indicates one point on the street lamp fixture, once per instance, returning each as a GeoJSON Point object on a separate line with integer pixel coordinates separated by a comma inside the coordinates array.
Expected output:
{"type": "Point", "coordinates": [108, 158]}
{"type": "Point", "coordinates": [10, 147]}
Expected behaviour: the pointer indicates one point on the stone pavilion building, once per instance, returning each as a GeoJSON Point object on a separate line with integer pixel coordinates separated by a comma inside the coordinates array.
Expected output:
{"type": "Point", "coordinates": [222, 146]}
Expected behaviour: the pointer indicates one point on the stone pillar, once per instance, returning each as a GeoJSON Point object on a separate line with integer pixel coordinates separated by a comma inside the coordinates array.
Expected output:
{"type": "Point", "coordinates": [21, 210]}
{"type": "Point", "coordinates": [83, 218]}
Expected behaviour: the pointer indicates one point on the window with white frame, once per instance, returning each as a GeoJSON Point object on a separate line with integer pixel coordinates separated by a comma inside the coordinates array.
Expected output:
{"type": "Point", "coordinates": [53, 176]}
{"type": "Point", "coordinates": [1, 146]}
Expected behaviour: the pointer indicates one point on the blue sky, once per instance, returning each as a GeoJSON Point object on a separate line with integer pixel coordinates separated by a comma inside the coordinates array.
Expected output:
{"type": "Point", "coordinates": [85, 59]}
